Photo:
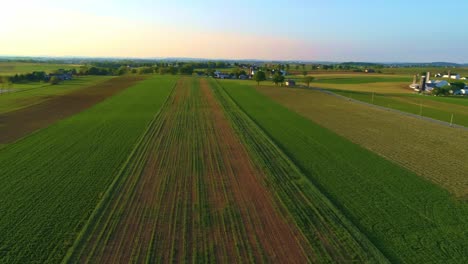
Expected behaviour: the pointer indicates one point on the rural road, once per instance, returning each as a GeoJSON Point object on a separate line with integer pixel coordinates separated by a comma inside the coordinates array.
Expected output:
{"type": "Point", "coordinates": [443, 123]}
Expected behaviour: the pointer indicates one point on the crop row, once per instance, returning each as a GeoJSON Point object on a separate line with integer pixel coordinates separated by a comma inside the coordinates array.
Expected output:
{"type": "Point", "coordinates": [53, 179]}
{"type": "Point", "coordinates": [191, 193]}
{"type": "Point", "coordinates": [163, 209]}
{"type": "Point", "coordinates": [332, 237]}
{"type": "Point", "coordinates": [408, 218]}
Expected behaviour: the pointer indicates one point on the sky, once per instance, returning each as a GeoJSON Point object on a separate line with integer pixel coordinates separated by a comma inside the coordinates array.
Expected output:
{"type": "Point", "coordinates": [320, 30]}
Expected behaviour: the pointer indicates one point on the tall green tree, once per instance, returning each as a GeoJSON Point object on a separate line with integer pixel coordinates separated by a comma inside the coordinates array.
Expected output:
{"type": "Point", "coordinates": [259, 76]}
{"type": "Point", "coordinates": [308, 80]}
{"type": "Point", "coordinates": [278, 78]}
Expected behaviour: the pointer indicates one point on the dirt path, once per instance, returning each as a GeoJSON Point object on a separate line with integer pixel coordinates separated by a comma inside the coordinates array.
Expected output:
{"type": "Point", "coordinates": [191, 194]}
{"type": "Point", "coordinates": [17, 124]}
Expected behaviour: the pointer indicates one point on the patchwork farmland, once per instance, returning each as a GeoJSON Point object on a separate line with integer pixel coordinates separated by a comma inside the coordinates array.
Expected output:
{"type": "Point", "coordinates": [192, 169]}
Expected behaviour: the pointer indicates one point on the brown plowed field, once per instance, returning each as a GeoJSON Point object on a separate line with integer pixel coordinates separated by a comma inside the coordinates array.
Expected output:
{"type": "Point", "coordinates": [191, 194]}
{"type": "Point", "coordinates": [17, 124]}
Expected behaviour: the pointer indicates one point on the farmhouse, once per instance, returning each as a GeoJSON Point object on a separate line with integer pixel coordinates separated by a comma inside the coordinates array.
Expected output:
{"type": "Point", "coordinates": [221, 75]}
{"type": "Point", "coordinates": [290, 83]}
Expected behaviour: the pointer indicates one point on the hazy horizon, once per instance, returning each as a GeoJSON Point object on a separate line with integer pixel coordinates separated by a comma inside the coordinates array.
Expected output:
{"type": "Point", "coordinates": [335, 31]}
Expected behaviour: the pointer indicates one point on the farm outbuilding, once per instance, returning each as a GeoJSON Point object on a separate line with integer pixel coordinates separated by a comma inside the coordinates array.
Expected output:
{"type": "Point", "coordinates": [290, 83]}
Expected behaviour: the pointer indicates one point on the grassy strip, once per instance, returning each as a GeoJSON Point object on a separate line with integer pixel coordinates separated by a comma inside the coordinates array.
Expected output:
{"type": "Point", "coordinates": [408, 218]}
{"type": "Point", "coordinates": [52, 180]}
{"type": "Point", "coordinates": [332, 237]}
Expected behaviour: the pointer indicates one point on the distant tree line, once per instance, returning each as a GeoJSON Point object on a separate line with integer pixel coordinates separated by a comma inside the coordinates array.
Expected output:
{"type": "Point", "coordinates": [28, 77]}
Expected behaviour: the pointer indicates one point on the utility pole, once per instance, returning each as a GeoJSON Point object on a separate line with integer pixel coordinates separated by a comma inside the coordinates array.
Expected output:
{"type": "Point", "coordinates": [451, 121]}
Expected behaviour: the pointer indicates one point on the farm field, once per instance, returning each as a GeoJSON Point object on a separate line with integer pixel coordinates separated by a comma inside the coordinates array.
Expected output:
{"type": "Point", "coordinates": [186, 169]}
{"type": "Point", "coordinates": [407, 217]}
{"type": "Point", "coordinates": [12, 68]}
{"type": "Point", "coordinates": [52, 180]}
{"type": "Point", "coordinates": [375, 130]}
{"type": "Point", "coordinates": [26, 94]}
{"type": "Point", "coordinates": [19, 123]}
{"type": "Point", "coordinates": [184, 197]}
{"type": "Point", "coordinates": [380, 87]}
{"type": "Point", "coordinates": [362, 78]}
{"type": "Point", "coordinates": [427, 106]}
{"type": "Point", "coordinates": [412, 70]}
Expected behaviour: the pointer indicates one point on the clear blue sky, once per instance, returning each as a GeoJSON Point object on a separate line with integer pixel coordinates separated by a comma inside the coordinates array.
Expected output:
{"type": "Point", "coordinates": [334, 30]}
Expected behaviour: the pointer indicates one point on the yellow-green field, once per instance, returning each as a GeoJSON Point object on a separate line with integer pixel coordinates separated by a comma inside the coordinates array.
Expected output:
{"type": "Point", "coordinates": [12, 68]}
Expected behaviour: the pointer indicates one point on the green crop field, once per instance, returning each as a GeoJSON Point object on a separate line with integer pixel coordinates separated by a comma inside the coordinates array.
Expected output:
{"type": "Point", "coordinates": [53, 179]}
{"type": "Point", "coordinates": [415, 70]}
{"type": "Point", "coordinates": [187, 169]}
{"type": "Point", "coordinates": [375, 129]}
{"type": "Point", "coordinates": [192, 122]}
{"type": "Point", "coordinates": [406, 217]}
{"type": "Point", "coordinates": [12, 68]}
{"type": "Point", "coordinates": [27, 94]}
{"type": "Point", "coordinates": [359, 79]}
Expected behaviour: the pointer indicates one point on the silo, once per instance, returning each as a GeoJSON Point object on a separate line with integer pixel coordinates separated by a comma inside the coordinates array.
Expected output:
{"type": "Point", "coordinates": [422, 84]}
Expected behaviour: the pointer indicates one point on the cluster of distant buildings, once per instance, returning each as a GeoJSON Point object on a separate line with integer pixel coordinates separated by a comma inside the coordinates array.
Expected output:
{"type": "Point", "coordinates": [247, 73]}
{"type": "Point", "coordinates": [427, 85]}
{"type": "Point", "coordinates": [61, 76]}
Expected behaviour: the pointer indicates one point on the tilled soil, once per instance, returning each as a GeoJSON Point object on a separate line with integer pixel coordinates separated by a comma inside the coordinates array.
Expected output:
{"type": "Point", "coordinates": [17, 124]}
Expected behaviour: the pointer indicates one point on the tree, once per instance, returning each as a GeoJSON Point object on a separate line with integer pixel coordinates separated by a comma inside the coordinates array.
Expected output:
{"type": "Point", "coordinates": [145, 70]}
{"type": "Point", "coordinates": [210, 72]}
{"type": "Point", "coordinates": [121, 70]}
{"type": "Point", "coordinates": [458, 85]}
{"type": "Point", "coordinates": [446, 90]}
{"type": "Point", "coordinates": [54, 80]}
{"type": "Point", "coordinates": [308, 80]}
{"type": "Point", "coordinates": [304, 73]}
{"type": "Point", "coordinates": [6, 82]}
{"type": "Point", "coordinates": [278, 78]}
{"type": "Point", "coordinates": [259, 76]}
{"type": "Point", "coordinates": [186, 70]}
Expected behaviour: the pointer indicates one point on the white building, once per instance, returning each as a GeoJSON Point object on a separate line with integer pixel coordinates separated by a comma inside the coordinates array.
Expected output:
{"type": "Point", "coordinates": [461, 92]}
{"type": "Point", "coordinates": [452, 76]}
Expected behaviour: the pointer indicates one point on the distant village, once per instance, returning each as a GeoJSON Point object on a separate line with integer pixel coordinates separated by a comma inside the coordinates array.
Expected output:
{"type": "Point", "coordinates": [247, 72]}
{"type": "Point", "coordinates": [441, 84]}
